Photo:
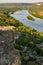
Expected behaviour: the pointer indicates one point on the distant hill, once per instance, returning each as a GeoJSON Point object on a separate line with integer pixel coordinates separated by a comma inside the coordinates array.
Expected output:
{"type": "Point", "coordinates": [39, 3]}
{"type": "Point", "coordinates": [18, 4]}
{"type": "Point", "coordinates": [15, 4]}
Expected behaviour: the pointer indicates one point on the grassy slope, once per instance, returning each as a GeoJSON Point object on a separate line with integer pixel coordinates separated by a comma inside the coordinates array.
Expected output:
{"type": "Point", "coordinates": [37, 11]}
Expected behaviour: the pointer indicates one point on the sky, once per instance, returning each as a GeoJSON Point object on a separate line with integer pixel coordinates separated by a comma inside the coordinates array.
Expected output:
{"type": "Point", "coordinates": [17, 1]}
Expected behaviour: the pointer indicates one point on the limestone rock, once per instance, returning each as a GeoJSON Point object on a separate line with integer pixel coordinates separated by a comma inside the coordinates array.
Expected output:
{"type": "Point", "coordinates": [8, 54]}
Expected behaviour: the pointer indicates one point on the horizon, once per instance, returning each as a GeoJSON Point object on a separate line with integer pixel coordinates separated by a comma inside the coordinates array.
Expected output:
{"type": "Point", "coordinates": [20, 1]}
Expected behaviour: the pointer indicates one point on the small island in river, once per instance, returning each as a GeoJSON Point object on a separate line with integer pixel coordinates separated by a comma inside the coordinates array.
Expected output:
{"type": "Point", "coordinates": [30, 18]}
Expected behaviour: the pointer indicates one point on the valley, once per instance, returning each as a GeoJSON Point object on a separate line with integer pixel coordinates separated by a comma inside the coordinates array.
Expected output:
{"type": "Point", "coordinates": [28, 38]}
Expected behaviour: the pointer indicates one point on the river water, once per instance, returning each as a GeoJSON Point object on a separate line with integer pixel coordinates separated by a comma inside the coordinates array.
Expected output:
{"type": "Point", "coordinates": [21, 15]}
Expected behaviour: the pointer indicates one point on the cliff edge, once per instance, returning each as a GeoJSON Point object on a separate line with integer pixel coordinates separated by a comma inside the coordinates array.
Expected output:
{"type": "Point", "coordinates": [8, 54]}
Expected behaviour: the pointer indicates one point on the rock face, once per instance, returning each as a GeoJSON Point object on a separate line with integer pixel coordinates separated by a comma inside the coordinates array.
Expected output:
{"type": "Point", "coordinates": [8, 54]}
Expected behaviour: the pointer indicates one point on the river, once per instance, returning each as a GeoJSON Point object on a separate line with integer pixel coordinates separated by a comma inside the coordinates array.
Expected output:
{"type": "Point", "coordinates": [21, 15]}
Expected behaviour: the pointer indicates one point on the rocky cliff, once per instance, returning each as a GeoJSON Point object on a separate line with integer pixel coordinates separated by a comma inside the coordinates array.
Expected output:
{"type": "Point", "coordinates": [8, 54]}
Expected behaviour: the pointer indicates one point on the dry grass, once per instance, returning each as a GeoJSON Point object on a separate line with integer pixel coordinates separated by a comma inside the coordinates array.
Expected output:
{"type": "Point", "coordinates": [41, 13]}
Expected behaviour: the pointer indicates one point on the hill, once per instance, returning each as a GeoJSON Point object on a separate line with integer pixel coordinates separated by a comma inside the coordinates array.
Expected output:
{"type": "Point", "coordinates": [14, 4]}
{"type": "Point", "coordinates": [37, 10]}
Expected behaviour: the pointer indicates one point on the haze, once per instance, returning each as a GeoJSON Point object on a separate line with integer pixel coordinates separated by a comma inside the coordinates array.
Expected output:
{"type": "Point", "coordinates": [20, 1]}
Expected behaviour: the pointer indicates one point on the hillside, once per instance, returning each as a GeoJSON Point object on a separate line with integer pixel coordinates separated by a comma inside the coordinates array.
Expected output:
{"type": "Point", "coordinates": [37, 10]}
{"type": "Point", "coordinates": [39, 3]}
{"type": "Point", "coordinates": [14, 4]}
